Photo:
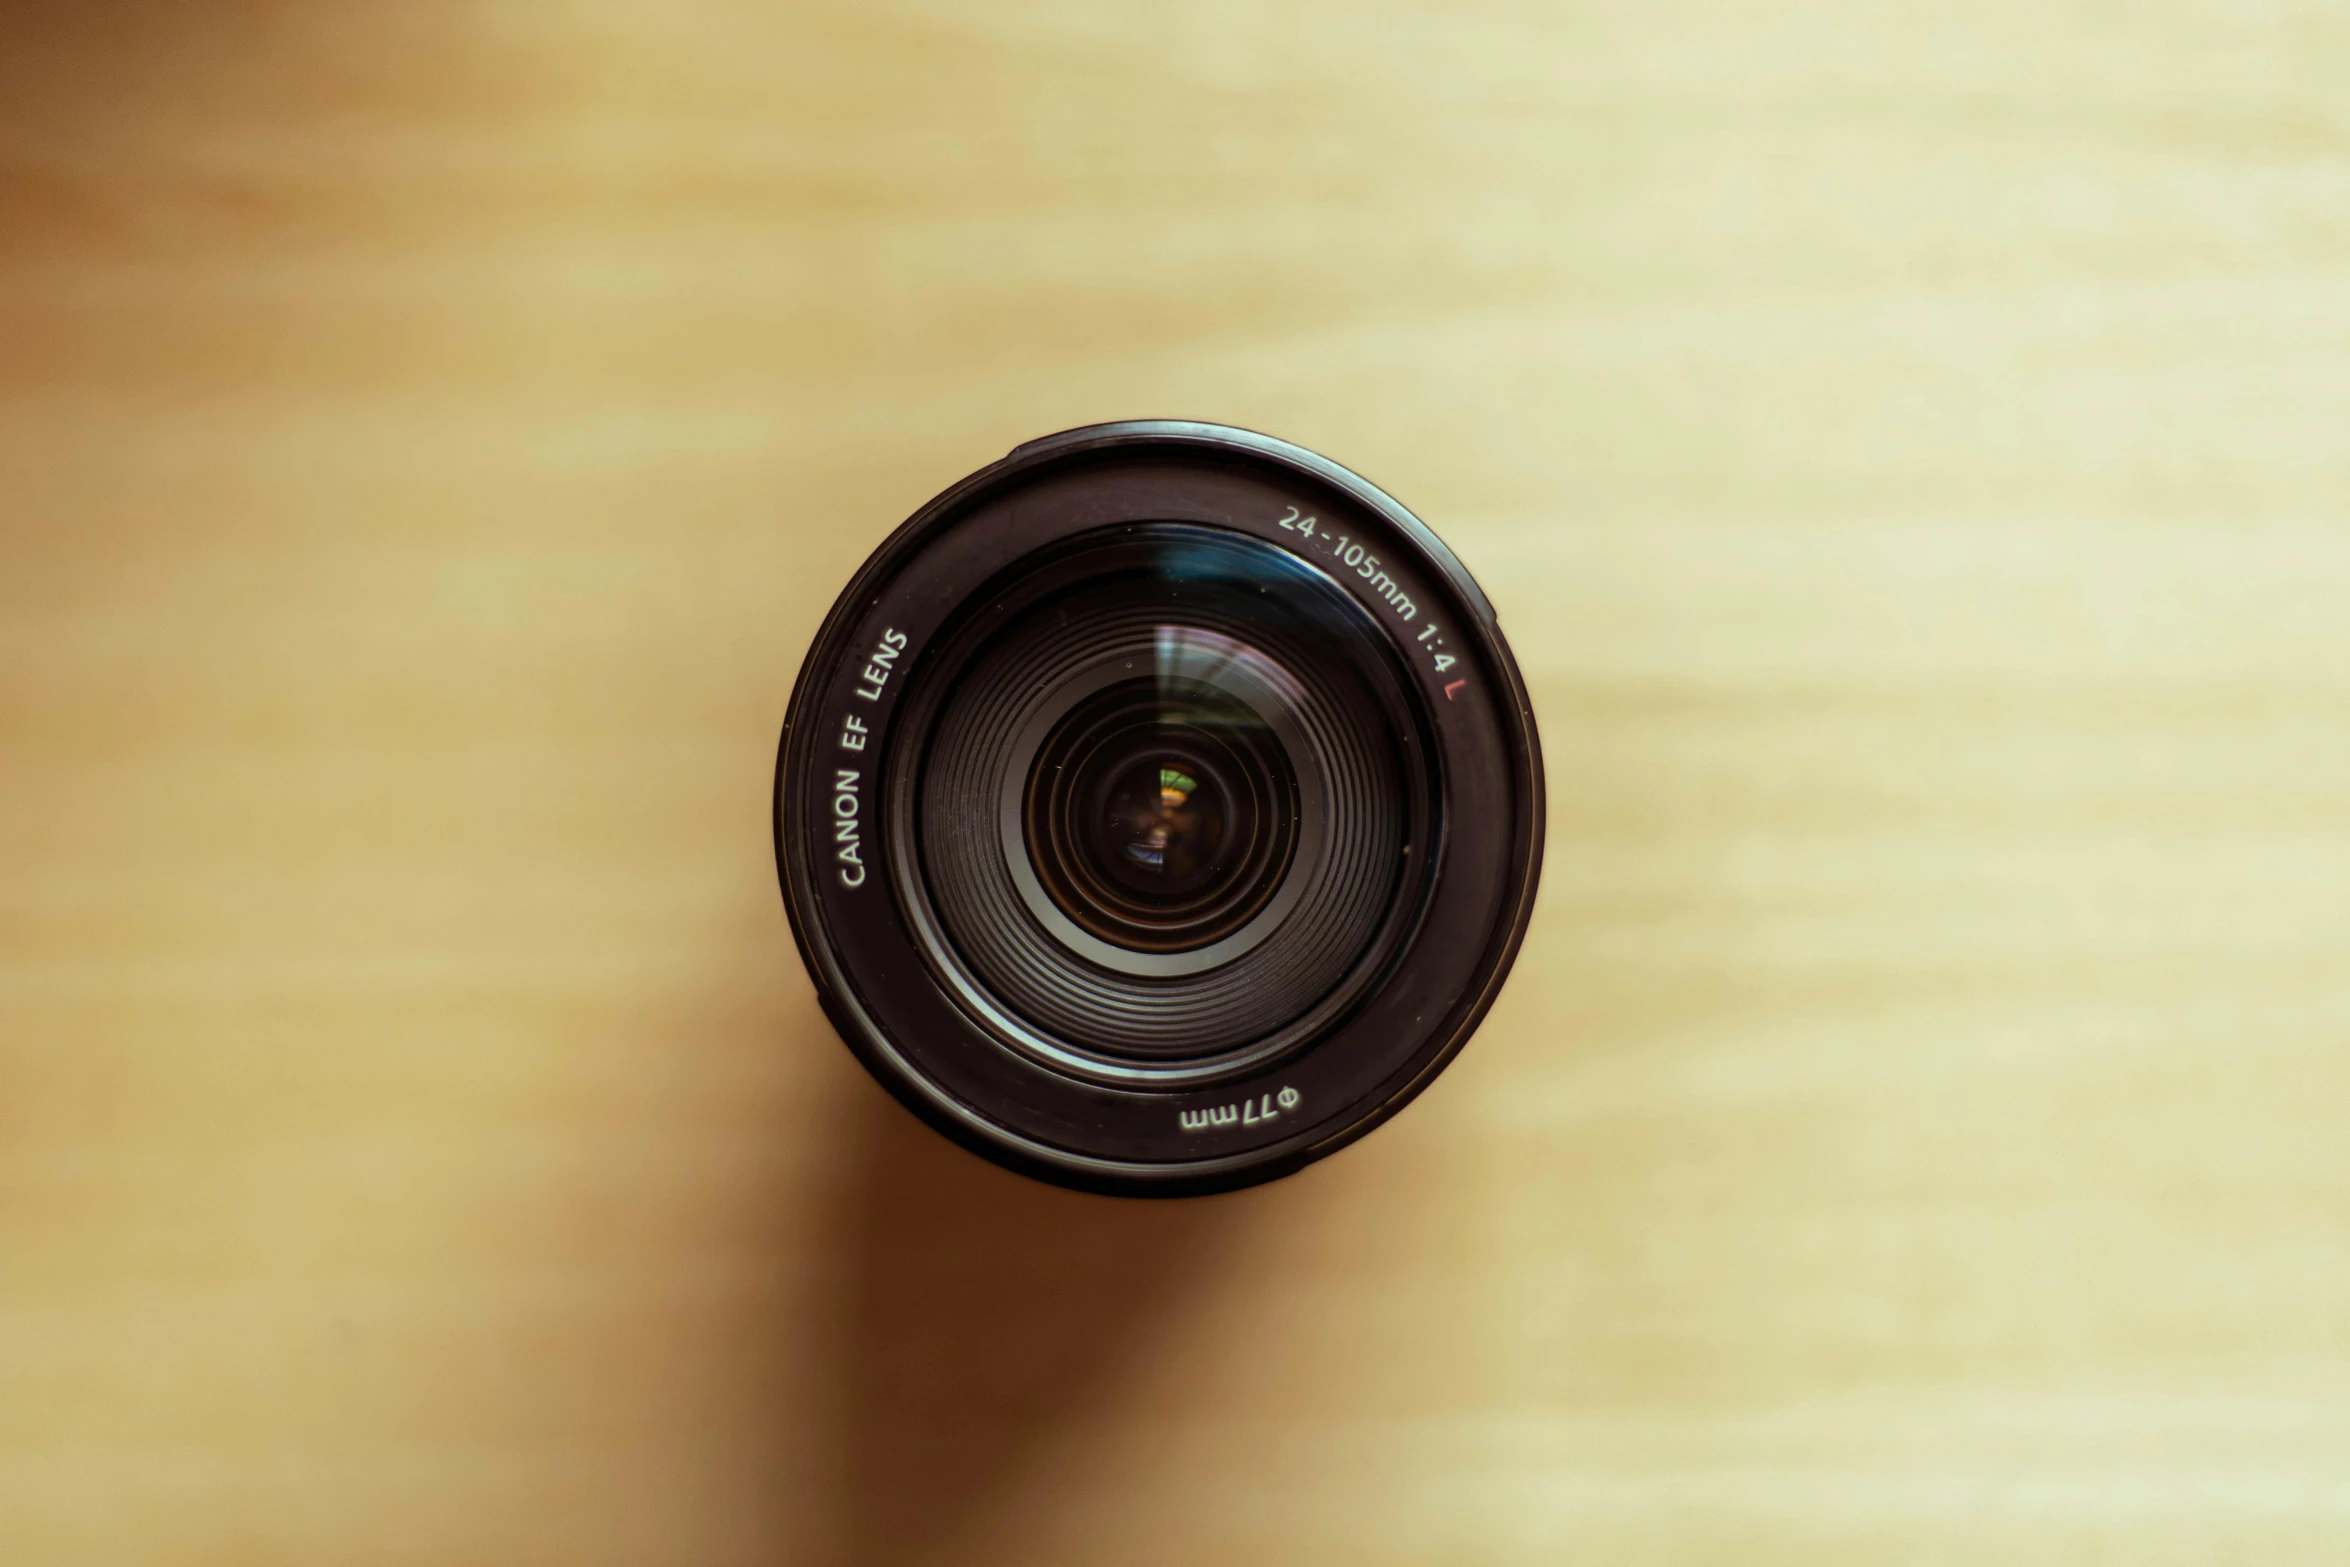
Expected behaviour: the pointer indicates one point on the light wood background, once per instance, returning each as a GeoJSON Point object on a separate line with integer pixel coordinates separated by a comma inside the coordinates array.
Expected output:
{"type": "Point", "coordinates": [1910, 446]}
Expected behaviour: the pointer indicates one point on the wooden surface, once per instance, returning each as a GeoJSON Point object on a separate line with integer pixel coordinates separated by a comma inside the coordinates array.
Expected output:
{"type": "Point", "coordinates": [1910, 447]}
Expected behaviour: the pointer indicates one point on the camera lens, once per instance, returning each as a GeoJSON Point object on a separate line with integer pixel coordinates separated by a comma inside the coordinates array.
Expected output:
{"type": "Point", "coordinates": [1159, 809]}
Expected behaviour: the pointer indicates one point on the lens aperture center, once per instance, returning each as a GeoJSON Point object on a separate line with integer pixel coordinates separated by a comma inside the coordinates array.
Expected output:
{"type": "Point", "coordinates": [1161, 815]}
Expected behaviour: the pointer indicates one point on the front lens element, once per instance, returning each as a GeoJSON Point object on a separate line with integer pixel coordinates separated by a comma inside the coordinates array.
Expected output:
{"type": "Point", "coordinates": [1161, 817]}
{"type": "Point", "coordinates": [1151, 753]}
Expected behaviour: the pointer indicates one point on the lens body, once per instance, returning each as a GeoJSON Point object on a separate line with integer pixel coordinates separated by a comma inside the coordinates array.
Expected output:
{"type": "Point", "coordinates": [1159, 809]}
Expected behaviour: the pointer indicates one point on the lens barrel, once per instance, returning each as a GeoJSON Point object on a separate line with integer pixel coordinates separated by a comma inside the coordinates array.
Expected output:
{"type": "Point", "coordinates": [1159, 809]}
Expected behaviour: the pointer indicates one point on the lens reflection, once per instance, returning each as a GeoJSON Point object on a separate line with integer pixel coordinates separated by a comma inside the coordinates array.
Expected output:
{"type": "Point", "coordinates": [1166, 823]}
{"type": "Point", "coordinates": [1161, 815]}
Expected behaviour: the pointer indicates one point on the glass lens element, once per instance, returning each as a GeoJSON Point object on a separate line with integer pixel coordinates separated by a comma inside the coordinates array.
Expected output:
{"type": "Point", "coordinates": [1166, 824]}
{"type": "Point", "coordinates": [1166, 800]}
{"type": "Point", "coordinates": [1161, 814]}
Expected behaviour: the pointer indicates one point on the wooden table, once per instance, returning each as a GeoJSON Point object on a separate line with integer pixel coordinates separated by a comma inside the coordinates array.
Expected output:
{"type": "Point", "coordinates": [1910, 447]}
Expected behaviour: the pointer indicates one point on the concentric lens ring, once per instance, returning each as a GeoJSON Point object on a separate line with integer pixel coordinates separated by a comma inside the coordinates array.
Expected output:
{"type": "Point", "coordinates": [1160, 817]}
{"type": "Point", "coordinates": [1182, 656]}
{"type": "Point", "coordinates": [1196, 609]}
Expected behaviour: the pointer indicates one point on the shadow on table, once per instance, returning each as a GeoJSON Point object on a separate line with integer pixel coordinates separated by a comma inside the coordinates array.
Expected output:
{"type": "Point", "coordinates": [979, 1315]}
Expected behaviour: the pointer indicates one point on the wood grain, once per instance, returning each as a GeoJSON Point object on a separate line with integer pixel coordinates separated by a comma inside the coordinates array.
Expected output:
{"type": "Point", "coordinates": [1906, 444]}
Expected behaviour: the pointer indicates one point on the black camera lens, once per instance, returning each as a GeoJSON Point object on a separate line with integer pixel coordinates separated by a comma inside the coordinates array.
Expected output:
{"type": "Point", "coordinates": [1159, 809]}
